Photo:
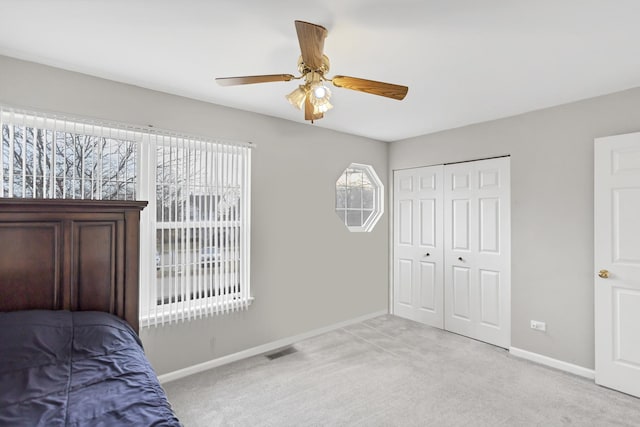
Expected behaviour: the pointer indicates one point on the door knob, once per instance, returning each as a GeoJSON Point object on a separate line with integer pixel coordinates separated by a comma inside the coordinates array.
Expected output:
{"type": "Point", "coordinates": [427, 254]}
{"type": "Point", "coordinates": [604, 274]}
{"type": "Point", "coordinates": [460, 258]}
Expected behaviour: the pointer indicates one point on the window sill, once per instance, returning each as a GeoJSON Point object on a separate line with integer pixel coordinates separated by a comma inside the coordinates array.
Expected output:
{"type": "Point", "coordinates": [197, 310]}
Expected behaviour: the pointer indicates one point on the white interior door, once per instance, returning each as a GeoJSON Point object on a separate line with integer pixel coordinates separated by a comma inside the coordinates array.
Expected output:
{"type": "Point", "coordinates": [617, 262]}
{"type": "Point", "coordinates": [418, 250]}
{"type": "Point", "coordinates": [477, 269]}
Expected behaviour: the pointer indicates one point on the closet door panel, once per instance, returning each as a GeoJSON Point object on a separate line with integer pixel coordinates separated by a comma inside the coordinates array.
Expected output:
{"type": "Point", "coordinates": [460, 295]}
{"type": "Point", "coordinates": [460, 228]}
{"type": "Point", "coordinates": [418, 245]}
{"type": "Point", "coordinates": [460, 222]}
{"type": "Point", "coordinates": [428, 286]}
{"type": "Point", "coordinates": [428, 223]}
{"type": "Point", "coordinates": [404, 282]}
{"type": "Point", "coordinates": [489, 297]}
{"type": "Point", "coordinates": [489, 225]}
{"type": "Point", "coordinates": [476, 238]}
{"type": "Point", "coordinates": [405, 228]}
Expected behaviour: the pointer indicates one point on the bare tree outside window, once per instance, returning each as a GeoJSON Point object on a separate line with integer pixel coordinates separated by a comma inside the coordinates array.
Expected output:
{"type": "Point", "coordinates": [45, 163]}
{"type": "Point", "coordinates": [198, 221]}
{"type": "Point", "coordinates": [188, 190]}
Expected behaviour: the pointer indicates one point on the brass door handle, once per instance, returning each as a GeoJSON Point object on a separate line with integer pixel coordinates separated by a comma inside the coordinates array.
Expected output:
{"type": "Point", "coordinates": [604, 274]}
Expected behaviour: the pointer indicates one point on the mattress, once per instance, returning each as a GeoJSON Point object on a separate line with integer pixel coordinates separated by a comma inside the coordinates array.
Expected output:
{"type": "Point", "coordinates": [61, 368]}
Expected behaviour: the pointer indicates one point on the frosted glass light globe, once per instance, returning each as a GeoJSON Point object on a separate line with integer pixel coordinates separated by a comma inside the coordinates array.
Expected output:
{"type": "Point", "coordinates": [319, 92]}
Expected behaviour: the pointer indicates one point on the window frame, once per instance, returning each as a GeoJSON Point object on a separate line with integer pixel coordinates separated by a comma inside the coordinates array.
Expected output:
{"type": "Point", "coordinates": [378, 199]}
{"type": "Point", "coordinates": [198, 307]}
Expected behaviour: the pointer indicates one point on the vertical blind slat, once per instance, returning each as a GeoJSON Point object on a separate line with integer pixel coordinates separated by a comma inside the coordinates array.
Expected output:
{"type": "Point", "coordinates": [172, 243]}
{"type": "Point", "coordinates": [227, 290]}
{"type": "Point", "coordinates": [10, 155]}
{"type": "Point", "coordinates": [234, 245]}
{"type": "Point", "coordinates": [162, 202]}
{"type": "Point", "coordinates": [24, 159]}
{"type": "Point", "coordinates": [2, 154]}
{"type": "Point", "coordinates": [216, 227]}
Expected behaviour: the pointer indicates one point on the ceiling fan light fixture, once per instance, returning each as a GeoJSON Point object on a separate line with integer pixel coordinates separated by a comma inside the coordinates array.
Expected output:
{"type": "Point", "coordinates": [319, 96]}
{"type": "Point", "coordinates": [297, 97]}
{"type": "Point", "coordinates": [313, 96]}
{"type": "Point", "coordinates": [319, 93]}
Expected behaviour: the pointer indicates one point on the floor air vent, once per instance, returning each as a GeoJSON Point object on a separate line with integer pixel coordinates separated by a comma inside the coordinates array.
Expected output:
{"type": "Point", "coordinates": [281, 353]}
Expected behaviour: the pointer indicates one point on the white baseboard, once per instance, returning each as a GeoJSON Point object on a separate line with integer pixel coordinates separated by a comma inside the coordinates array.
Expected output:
{"type": "Point", "coordinates": [554, 363]}
{"type": "Point", "coordinates": [254, 351]}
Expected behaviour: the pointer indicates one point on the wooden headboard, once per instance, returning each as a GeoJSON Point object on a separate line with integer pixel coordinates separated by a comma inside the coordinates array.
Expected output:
{"type": "Point", "coordinates": [70, 255]}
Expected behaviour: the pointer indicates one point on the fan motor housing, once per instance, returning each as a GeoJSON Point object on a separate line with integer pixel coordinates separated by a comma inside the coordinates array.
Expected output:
{"type": "Point", "coordinates": [304, 69]}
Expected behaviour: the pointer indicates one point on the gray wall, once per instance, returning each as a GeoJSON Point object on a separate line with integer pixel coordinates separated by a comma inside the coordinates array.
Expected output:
{"type": "Point", "coordinates": [552, 210]}
{"type": "Point", "coordinates": [308, 271]}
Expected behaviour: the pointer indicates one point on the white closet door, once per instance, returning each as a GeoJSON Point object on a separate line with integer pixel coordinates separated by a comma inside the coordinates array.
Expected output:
{"type": "Point", "coordinates": [477, 250]}
{"type": "Point", "coordinates": [418, 245]}
{"type": "Point", "coordinates": [617, 262]}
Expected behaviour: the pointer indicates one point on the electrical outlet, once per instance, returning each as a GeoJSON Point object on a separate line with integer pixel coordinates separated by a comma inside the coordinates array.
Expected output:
{"type": "Point", "coordinates": [538, 326]}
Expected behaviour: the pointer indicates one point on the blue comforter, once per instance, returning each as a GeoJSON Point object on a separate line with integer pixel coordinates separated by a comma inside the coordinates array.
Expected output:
{"type": "Point", "coordinates": [61, 368]}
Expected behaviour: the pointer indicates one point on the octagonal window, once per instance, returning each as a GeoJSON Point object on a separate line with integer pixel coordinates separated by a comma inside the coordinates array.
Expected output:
{"type": "Point", "coordinates": [359, 197]}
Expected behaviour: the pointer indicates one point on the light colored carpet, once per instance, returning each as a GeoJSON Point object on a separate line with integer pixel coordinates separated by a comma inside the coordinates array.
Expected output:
{"type": "Point", "coordinates": [390, 371]}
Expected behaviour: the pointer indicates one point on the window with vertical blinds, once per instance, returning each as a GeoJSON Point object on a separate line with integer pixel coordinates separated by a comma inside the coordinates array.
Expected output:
{"type": "Point", "coordinates": [201, 233]}
{"type": "Point", "coordinates": [48, 157]}
{"type": "Point", "coordinates": [194, 233]}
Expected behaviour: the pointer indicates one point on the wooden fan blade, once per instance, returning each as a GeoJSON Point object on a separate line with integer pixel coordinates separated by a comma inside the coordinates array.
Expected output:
{"type": "Point", "coordinates": [370, 86]}
{"type": "Point", "coordinates": [247, 80]}
{"type": "Point", "coordinates": [308, 111]}
{"type": "Point", "coordinates": [311, 38]}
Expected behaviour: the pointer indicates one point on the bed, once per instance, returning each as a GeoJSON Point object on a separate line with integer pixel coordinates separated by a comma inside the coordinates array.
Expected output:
{"type": "Point", "coordinates": [69, 350]}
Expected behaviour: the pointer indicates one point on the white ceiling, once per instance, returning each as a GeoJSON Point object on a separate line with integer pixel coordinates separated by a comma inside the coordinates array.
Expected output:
{"type": "Point", "coordinates": [464, 61]}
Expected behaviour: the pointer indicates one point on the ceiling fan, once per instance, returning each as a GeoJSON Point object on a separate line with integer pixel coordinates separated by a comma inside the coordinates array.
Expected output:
{"type": "Point", "coordinates": [313, 96]}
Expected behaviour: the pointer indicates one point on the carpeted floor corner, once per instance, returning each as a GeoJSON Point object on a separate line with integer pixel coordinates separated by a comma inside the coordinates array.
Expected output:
{"type": "Point", "coordinates": [389, 371]}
